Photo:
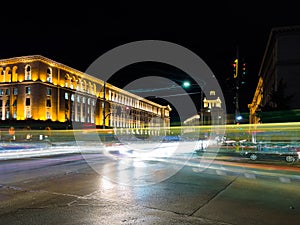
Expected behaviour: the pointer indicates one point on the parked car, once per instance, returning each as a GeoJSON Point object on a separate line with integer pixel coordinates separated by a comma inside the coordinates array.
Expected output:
{"type": "Point", "coordinates": [287, 153]}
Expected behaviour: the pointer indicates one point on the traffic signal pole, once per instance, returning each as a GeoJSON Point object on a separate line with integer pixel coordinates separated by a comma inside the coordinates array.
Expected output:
{"type": "Point", "coordinates": [237, 87]}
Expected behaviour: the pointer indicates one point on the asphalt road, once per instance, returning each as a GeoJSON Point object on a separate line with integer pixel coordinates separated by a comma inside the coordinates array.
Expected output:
{"type": "Point", "coordinates": [96, 189]}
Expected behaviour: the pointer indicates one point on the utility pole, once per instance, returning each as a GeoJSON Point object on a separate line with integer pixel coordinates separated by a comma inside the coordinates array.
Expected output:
{"type": "Point", "coordinates": [201, 107]}
{"type": "Point", "coordinates": [202, 84]}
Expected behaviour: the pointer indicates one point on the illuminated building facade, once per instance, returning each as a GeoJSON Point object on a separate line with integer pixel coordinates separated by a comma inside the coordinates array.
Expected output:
{"type": "Point", "coordinates": [278, 84]}
{"type": "Point", "coordinates": [37, 88]}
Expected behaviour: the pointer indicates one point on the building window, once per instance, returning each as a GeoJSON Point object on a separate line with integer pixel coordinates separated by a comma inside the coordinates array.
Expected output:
{"type": "Point", "coordinates": [79, 85]}
{"type": "Point", "coordinates": [28, 114]}
{"type": "Point", "coordinates": [48, 103]}
{"type": "Point", "coordinates": [72, 97]}
{"type": "Point", "coordinates": [7, 91]}
{"type": "Point", "coordinates": [48, 115]}
{"type": "Point", "coordinates": [48, 91]}
{"type": "Point", "coordinates": [15, 102]}
{"type": "Point", "coordinates": [8, 74]}
{"type": "Point", "coordinates": [49, 75]}
{"type": "Point", "coordinates": [7, 103]}
{"type": "Point", "coordinates": [27, 102]}
{"type": "Point", "coordinates": [27, 72]}
{"type": "Point", "coordinates": [67, 80]}
{"type": "Point", "coordinates": [66, 96]}
{"type": "Point", "coordinates": [15, 91]}
{"type": "Point", "coordinates": [15, 115]}
{"type": "Point", "coordinates": [1, 91]}
{"type": "Point", "coordinates": [7, 114]}
{"type": "Point", "coordinates": [66, 106]}
{"type": "Point", "coordinates": [14, 74]}
{"type": "Point", "coordinates": [73, 82]}
{"type": "Point", "coordinates": [27, 90]}
{"type": "Point", "coordinates": [84, 85]}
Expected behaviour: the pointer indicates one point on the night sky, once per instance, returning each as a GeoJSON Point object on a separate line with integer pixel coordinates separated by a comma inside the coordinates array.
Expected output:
{"type": "Point", "coordinates": [78, 34]}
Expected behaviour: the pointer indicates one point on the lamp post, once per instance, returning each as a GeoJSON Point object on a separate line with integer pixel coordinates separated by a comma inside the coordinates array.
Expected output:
{"type": "Point", "coordinates": [201, 107]}
{"type": "Point", "coordinates": [104, 100]}
{"type": "Point", "coordinates": [187, 84]}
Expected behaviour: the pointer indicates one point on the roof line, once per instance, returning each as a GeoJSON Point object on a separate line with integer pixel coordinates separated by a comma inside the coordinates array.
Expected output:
{"type": "Point", "coordinates": [275, 30]}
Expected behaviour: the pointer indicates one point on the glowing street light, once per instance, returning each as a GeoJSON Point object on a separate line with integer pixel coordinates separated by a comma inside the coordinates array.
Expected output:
{"type": "Point", "coordinates": [238, 117]}
{"type": "Point", "coordinates": [186, 84]}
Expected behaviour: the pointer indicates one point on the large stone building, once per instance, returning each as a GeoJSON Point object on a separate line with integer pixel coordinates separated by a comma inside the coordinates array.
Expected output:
{"type": "Point", "coordinates": [278, 85]}
{"type": "Point", "coordinates": [39, 89]}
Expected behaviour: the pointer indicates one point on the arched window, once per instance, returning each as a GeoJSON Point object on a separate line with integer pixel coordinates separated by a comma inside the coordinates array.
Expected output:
{"type": "Point", "coordinates": [90, 88]}
{"type": "Point", "coordinates": [78, 85]}
{"type": "Point", "coordinates": [84, 86]}
{"type": "Point", "coordinates": [27, 72]}
{"type": "Point", "coordinates": [67, 80]}
{"type": "Point", "coordinates": [2, 73]}
{"type": "Point", "coordinates": [73, 83]}
{"type": "Point", "coordinates": [14, 74]}
{"type": "Point", "coordinates": [94, 89]}
{"type": "Point", "coordinates": [49, 75]}
{"type": "Point", "coordinates": [7, 74]}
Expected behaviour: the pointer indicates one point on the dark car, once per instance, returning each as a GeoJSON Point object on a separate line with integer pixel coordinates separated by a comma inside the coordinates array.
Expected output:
{"type": "Point", "coordinates": [287, 153]}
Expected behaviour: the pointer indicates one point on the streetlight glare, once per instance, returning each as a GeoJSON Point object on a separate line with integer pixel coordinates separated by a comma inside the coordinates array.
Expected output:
{"type": "Point", "coordinates": [186, 84]}
{"type": "Point", "coordinates": [239, 117]}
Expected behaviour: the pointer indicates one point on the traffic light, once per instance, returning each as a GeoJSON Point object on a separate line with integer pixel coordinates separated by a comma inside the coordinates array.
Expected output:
{"type": "Point", "coordinates": [235, 68]}
{"type": "Point", "coordinates": [244, 72]}
{"type": "Point", "coordinates": [244, 69]}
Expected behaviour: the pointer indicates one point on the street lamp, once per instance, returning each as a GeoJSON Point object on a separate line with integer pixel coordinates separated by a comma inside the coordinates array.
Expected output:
{"type": "Point", "coordinates": [187, 84]}
{"type": "Point", "coordinates": [103, 105]}
{"type": "Point", "coordinates": [238, 118]}
{"type": "Point", "coordinates": [201, 107]}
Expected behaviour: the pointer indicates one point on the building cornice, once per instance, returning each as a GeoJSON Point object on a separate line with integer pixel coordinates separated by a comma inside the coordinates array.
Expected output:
{"type": "Point", "coordinates": [52, 63]}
